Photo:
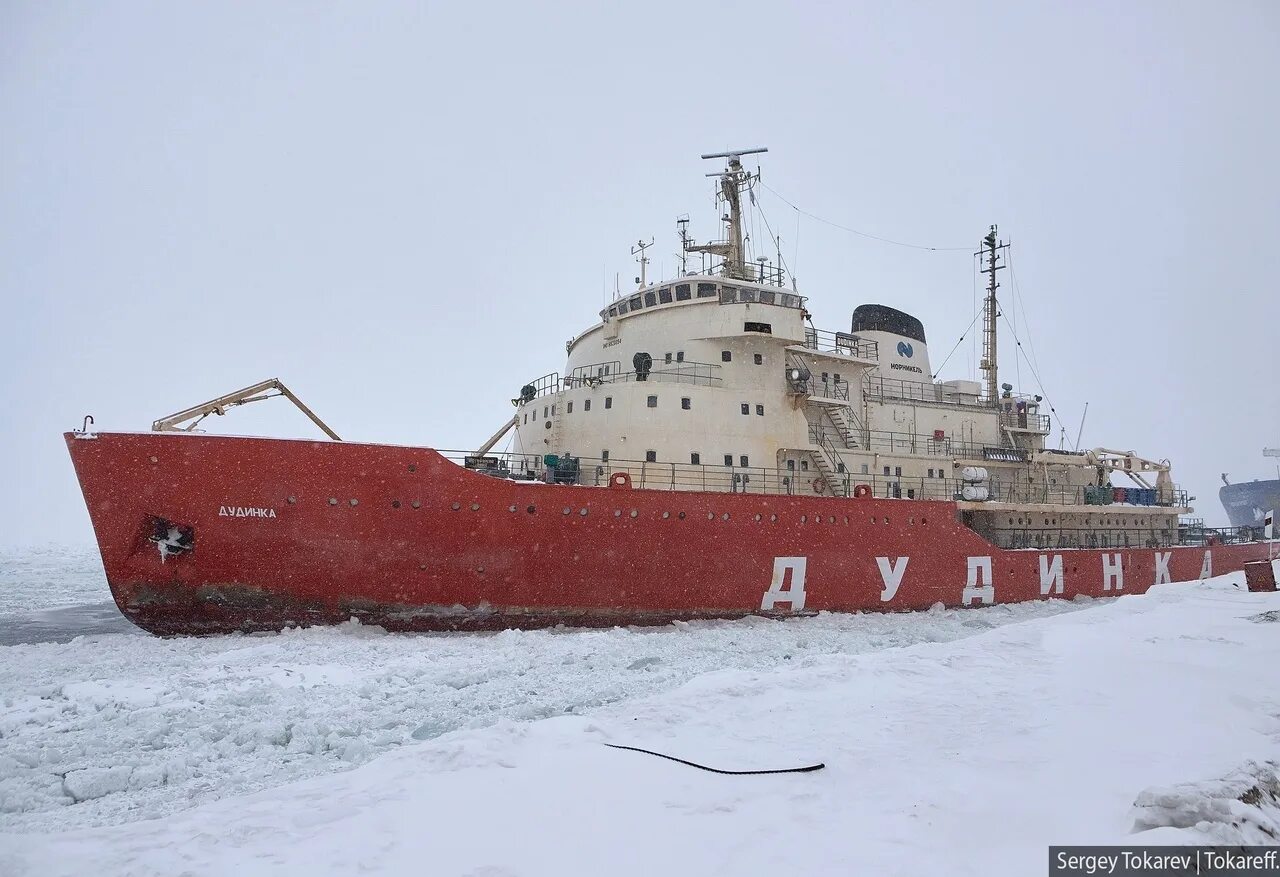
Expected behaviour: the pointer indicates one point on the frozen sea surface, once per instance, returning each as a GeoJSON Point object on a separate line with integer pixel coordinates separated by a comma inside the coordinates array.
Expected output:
{"type": "Point", "coordinates": [101, 728]}
{"type": "Point", "coordinates": [954, 743]}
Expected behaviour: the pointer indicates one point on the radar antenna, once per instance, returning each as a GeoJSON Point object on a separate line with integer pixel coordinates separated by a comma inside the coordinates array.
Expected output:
{"type": "Point", "coordinates": [733, 180]}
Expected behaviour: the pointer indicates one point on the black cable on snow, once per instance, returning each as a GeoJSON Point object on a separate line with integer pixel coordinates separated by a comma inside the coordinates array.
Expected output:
{"type": "Point", "coordinates": [807, 769]}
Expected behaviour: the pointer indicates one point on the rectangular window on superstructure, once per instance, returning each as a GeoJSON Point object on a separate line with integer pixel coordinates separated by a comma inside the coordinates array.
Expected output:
{"type": "Point", "coordinates": [763, 328]}
{"type": "Point", "coordinates": [613, 311]}
{"type": "Point", "coordinates": [604, 456]}
{"type": "Point", "coordinates": [706, 290]}
{"type": "Point", "coordinates": [804, 465]}
{"type": "Point", "coordinates": [886, 470]}
{"type": "Point", "coordinates": [726, 356]}
{"type": "Point", "coordinates": [664, 296]}
{"type": "Point", "coordinates": [608, 402]}
{"type": "Point", "coordinates": [586, 404]}
{"type": "Point", "coordinates": [695, 458]}
{"type": "Point", "coordinates": [760, 410]}
{"type": "Point", "coordinates": [652, 402]}
{"type": "Point", "coordinates": [622, 308]}
{"type": "Point", "coordinates": [897, 471]}
{"type": "Point", "coordinates": [526, 417]}
{"type": "Point", "coordinates": [791, 464]}
{"type": "Point", "coordinates": [683, 293]}
{"type": "Point", "coordinates": [743, 461]}
{"type": "Point", "coordinates": [651, 456]}
{"type": "Point", "coordinates": [758, 359]}
{"type": "Point", "coordinates": [746, 407]}
{"type": "Point", "coordinates": [930, 473]}
{"type": "Point", "coordinates": [679, 356]}
{"type": "Point", "coordinates": [790, 301]}
{"type": "Point", "coordinates": [728, 459]}
{"type": "Point", "coordinates": [686, 403]}
{"type": "Point", "coordinates": [568, 408]}
{"type": "Point", "coordinates": [650, 299]}
{"type": "Point", "coordinates": [667, 358]}
{"type": "Point", "coordinates": [535, 413]}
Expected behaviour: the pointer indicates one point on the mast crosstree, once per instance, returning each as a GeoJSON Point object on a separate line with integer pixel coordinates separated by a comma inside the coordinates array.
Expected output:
{"type": "Point", "coordinates": [733, 181]}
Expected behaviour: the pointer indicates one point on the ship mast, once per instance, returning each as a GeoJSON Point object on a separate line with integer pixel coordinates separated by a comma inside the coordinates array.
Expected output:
{"type": "Point", "coordinates": [733, 180]}
{"type": "Point", "coordinates": [989, 253]}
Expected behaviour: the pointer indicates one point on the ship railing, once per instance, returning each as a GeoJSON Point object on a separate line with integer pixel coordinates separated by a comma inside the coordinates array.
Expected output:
{"type": "Point", "coordinates": [841, 343]}
{"type": "Point", "coordinates": [1049, 538]}
{"type": "Point", "coordinates": [888, 442]}
{"type": "Point", "coordinates": [1195, 534]}
{"type": "Point", "coordinates": [880, 387]}
{"type": "Point", "coordinates": [795, 477]}
{"type": "Point", "coordinates": [1024, 420]}
{"type": "Point", "coordinates": [836, 389]}
{"type": "Point", "coordinates": [704, 374]}
{"type": "Point", "coordinates": [547, 385]}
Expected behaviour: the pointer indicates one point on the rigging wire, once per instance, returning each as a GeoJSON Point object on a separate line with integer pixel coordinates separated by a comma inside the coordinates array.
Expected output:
{"type": "Point", "coordinates": [957, 347]}
{"type": "Point", "coordinates": [855, 231]}
{"type": "Point", "coordinates": [1036, 374]}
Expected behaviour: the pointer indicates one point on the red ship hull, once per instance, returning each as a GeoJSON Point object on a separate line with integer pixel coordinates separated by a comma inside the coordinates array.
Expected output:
{"type": "Point", "coordinates": [286, 532]}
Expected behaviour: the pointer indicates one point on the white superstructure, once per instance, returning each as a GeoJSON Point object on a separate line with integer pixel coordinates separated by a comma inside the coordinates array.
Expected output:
{"type": "Point", "coordinates": [718, 380]}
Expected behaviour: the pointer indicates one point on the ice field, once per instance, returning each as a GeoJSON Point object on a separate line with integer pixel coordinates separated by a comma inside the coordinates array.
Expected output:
{"type": "Point", "coordinates": [962, 739]}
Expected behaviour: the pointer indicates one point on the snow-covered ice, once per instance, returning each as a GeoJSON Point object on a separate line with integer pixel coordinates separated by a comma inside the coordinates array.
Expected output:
{"type": "Point", "coordinates": [955, 742]}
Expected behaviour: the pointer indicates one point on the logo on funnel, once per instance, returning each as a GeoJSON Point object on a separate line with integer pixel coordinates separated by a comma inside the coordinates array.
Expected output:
{"type": "Point", "coordinates": [905, 349]}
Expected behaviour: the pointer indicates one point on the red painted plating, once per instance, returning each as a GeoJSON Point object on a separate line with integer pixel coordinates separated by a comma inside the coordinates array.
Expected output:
{"type": "Point", "coordinates": [404, 538]}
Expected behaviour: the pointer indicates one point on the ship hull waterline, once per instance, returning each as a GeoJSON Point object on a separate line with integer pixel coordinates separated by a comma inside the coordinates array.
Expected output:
{"type": "Point", "coordinates": [290, 532]}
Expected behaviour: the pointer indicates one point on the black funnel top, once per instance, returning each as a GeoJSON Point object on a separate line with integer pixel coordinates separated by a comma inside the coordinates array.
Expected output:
{"type": "Point", "coordinates": [881, 318]}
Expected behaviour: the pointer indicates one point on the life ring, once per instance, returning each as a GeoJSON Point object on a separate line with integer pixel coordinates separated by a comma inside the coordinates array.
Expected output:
{"type": "Point", "coordinates": [862, 490]}
{"type": "Point", "coordinates": [819, 485]}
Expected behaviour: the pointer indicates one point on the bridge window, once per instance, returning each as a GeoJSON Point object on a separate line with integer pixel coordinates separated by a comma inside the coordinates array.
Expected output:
{"type": "Point", "coordinates": [726, 356]}
{"type": "Point", "coordinates": [695, 458]}
{"type": "Point", "coordinates": [635, 303]}
{"type": "Point", "coordinates": [768, 297]}
{"type": "Point", "coordinates": [706, 290]}
{"type": "Point", "coordinates": [664, 296]}
{"type": "Point", "coordinates": [728, 295]}
{"type": "Point", "coordinates": [622, 308]}
{"type": "Point", "coordinates": [650, 299]}
{"type": "Point", "coordinates": [747, 294]}
{"type": "Point", "coordinates": [766, 328]}
{"type": "Point", "coordinates": [682, 292]}
{"type": "Point", "coordinates": [652, 402]}
{"type": "Point", "coordinates": [686, 403]}
{"type": "Point", "coordinates": [651, 456]}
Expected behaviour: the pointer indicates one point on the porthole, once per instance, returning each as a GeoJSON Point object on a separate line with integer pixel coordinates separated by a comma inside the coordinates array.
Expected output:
{"type": "Point", "coordinates": [354, 503]}
{"type": "Point", "coordinates": [417, 503]}
{"type": "Point", "coordinates": [846, 520]}
{"type": "Point", "coordinates": [804, 519]}
{"type": "Point", "coordinates": [773, 518]}
{"type": "Point", "coordinates": [711, 516]}
{"type": "Point", "coordinates": [291, 500]}
{"type": "Point", "coordinates": [566, 510]}
{"type": "Point", "coordinates": [475, 507]}
{"type": "Point", "coordinates": [582, 512]}
{"type": "Point", "coordinates": [634, 513]}
{"type": "Point", "coordinates": [831, 519]}
{"type": "Point", "coordinates": [666, 515]}
{"type": "Point", "coordinates": [758, 517]}
{"type": "Point", "coordinates": [511, 508]}
{"type": "Point", "coordinates": [333, 500]}
{"type": "Point", "coordinates": [531, 509]}
{"type": "Point", "coordinates": [413, 467]}
{"type": "Point", "coordinates": [725, 516]}
{"type": "Point", "coordinates": [455, 506]}
{"type": "Point", "coordinates": [395, 503]}
{"type": "Point", "coordinates": [681, 516]}
{"type": "Point", "coordinates": [617, 513]}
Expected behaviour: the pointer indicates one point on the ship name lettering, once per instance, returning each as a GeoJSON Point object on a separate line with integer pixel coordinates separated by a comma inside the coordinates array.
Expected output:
{"type": "Point", "coordinates": [239, 511]}
{"type": "Point", "coordinates": [979, 582]}
{"type": "Point", "coordinates": [1112, 572]}
{"type": "Point", "coordinates": [784, 588]}
{"type": "Point", "coordinates": [1051, 575]}
{"type": "Point", "coordinates": [891, 571]}
{"type": "Point", "coordinates": [1162, 567]}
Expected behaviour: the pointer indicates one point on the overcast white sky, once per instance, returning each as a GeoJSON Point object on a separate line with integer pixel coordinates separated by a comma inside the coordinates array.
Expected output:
{"type": "Point", "coordinates": [404, 210]}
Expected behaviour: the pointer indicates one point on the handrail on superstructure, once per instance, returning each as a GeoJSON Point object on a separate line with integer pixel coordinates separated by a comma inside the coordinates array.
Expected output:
{"type": "Point", "coordinates": [255, 393]}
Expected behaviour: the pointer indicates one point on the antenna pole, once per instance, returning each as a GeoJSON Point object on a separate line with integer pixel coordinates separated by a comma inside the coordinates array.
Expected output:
{"type": "Point", "coordinates": [733, 179]}
{"type": "Point", "coordinates": [639, 248]}
{"type": "Point", "coordinates": [990, 252]}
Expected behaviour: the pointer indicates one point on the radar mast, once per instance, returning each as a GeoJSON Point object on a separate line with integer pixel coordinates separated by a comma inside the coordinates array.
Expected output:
{"type": "Point", "coordinates": [733, 181]}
